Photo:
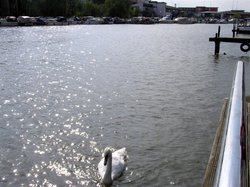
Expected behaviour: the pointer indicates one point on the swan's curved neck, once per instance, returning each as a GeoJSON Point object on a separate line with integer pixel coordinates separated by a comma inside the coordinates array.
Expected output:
{"type": "Point", "coordinates": [107, 176]}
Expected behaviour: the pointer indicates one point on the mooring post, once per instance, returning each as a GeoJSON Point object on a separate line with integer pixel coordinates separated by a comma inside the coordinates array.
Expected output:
{"type": "Point", "coordinates": [217, 44]}
{"type": "Point", "coordinates": [219, 31]}
{"type": "Point", "coordinates": [234, 30]}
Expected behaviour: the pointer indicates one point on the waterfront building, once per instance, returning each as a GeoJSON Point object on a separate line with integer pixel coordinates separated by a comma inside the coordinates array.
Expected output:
{"type": "Point", "coordinates": [197, 11]}
{"type": "Point", "coordinates": [159, 8]}
{"type": "Point", "coordinates": [241, 14]}
{"type": "Point", "coordinates": [150, 8]}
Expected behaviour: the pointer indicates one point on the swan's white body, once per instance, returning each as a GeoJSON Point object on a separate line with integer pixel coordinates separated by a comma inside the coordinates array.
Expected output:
{"type": "Point", "coordinates": [112, 165]}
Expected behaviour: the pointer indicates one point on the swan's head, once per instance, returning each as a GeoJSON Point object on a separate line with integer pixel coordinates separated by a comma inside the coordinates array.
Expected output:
{"type": "Point", "coordinates": [107, 155]}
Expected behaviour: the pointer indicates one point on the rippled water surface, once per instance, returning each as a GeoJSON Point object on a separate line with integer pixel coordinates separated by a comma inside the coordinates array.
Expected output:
{"type": "Point", "coordinates": [68, 92]}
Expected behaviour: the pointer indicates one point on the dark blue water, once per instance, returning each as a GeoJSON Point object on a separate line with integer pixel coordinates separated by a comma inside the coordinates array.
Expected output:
{"type": "Point", "coordinates": [68, 92]}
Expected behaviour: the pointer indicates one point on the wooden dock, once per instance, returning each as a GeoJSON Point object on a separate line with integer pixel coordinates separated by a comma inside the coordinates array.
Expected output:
{"type": "Point", "coordinates": [245, 42]}
{"type": "Point", "coordinates": [230, 40]}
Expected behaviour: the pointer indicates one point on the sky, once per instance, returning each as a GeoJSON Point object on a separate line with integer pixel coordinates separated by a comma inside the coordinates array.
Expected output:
{"type": "Point", "coordinates": [221, 4]}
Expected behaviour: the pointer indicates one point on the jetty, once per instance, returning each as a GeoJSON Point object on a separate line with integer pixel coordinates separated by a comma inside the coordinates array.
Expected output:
{"type": "Point", "coordinates": [245, 42]}
{"type": "Point", "coordinates": [229, 160]}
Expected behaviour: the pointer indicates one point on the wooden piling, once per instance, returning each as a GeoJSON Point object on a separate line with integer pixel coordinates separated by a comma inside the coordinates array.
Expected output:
{"type": "Point", "coordinates": [217, 44]}
{"type": "Point", "coordinates": [219, 31]}
{"type": "Point", "coordinates": [234, 31]}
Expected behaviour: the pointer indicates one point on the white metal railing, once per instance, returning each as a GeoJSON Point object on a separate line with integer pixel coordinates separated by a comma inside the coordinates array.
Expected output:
{"type": "Point", "coordinates": [228, 173]}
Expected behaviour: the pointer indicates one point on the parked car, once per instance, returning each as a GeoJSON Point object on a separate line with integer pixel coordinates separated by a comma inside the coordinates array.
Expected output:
{"type": "Point", "coordinates": [61, 19]}
{"type": "Point", "coordinates": [11, 19]}
{"type": "Point", "coordinates": [25, 20]}
{"type": "Point", "coordinates": [41, 21]}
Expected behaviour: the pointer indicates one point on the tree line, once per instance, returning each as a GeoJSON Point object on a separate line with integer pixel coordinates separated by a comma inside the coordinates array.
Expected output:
{"type": "Point", "coordinates": [67, 8]}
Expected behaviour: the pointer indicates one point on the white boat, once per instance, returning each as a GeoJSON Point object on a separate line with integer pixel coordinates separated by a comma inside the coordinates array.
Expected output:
{"type": "Point", "coordinates": [166, 19]}
{"type": "Point", "coordinates": [243, 30]}
{"type": "Point", "coordinates": [244, 27]}
{"type": "Point", "coordinates": [184, 20]}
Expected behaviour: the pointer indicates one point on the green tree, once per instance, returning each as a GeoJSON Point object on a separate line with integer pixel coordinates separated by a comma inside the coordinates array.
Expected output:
{"type": "Point", "coordinates": [5, 7]}
{"type": "Point", "coordinates": [54, 8]}
{"type": "Point", "coordinates": [74, 7]}
{"type": "Point", "coordinates": [33, 8]}
{"type": "Point", "coordinates": [22, 7]}
{"type": "Point", "coordinates": [117, 8]}
{"type": "Point", "coordinates": [98, 1]}
{"type": "Point", "coordinates": [134, 12]}
{"type": "Point", "coordinates": [114, 8]}
{"type": "Point", "coordinates": [91, 9]}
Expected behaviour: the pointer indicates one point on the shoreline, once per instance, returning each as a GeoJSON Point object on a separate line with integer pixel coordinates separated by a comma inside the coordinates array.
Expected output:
{"type": "Point", "coordinates": [89, 20]}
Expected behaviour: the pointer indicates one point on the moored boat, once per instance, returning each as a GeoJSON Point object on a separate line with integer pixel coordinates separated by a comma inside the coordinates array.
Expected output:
{"type": "Point", "coordinates": [184, 20]}
{"type": "Point", "coordinates": [8, 21]}
{"type": "Point", "coordinates": [244, 27]}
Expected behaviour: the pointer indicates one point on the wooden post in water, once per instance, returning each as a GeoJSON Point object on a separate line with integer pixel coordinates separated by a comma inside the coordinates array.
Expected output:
{"type": "Point", "coordinates": [217, 42]}
{"type": "Point", "coordinates": [234, 31]}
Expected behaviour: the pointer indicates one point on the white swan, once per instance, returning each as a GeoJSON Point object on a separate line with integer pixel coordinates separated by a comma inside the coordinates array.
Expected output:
{"type": "Point", "coordinates": [112, 165]}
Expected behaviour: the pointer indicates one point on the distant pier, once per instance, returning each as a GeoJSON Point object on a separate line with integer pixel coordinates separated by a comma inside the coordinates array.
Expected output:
{"type": "Point", "coordinates": [245, 42]}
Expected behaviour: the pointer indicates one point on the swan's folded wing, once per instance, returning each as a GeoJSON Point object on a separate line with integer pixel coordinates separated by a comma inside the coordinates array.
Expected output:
{"type": "Point", "coordinates": [118, 167]}
{"type": "Point", "coordinates": [122, 153]}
